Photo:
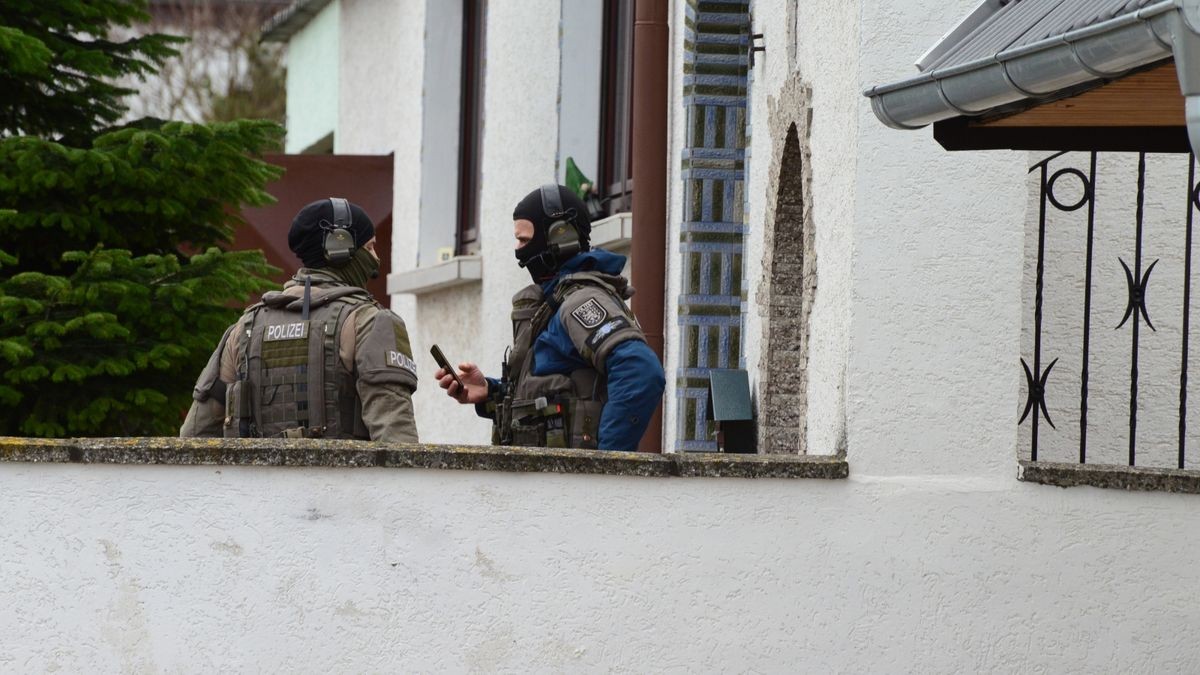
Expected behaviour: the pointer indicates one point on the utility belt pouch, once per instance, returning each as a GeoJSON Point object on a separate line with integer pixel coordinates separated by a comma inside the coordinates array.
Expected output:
{"type": "Point", "coordinates": [503, 419]}
{"type": "Point", "coordinates": [237, 411]}
{"type": "Point", "coordinates": [526, 425]}
{"type": "Point", "coordinates": [556, 431]}
{"type": "Point", "coordinates": [539, 423]}
{"type": "Point", "coordinates": [584, 418]}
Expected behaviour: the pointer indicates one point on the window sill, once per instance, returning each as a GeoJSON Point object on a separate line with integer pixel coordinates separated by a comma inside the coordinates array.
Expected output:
{"type": "Point", "coordinates": [334, 453]}
{"type": "Point", "coordinates": [1117, 477]}
{"type": "Point", "coordinates": [463, 269]}
{"type": "Point", "coordinates": [614, 232]}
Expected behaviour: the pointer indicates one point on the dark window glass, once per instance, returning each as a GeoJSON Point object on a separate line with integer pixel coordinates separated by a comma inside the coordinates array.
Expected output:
{"type": "Point", "coordinates": [616, 108]}
{"type": "Point", "coordinates": [470, 125]}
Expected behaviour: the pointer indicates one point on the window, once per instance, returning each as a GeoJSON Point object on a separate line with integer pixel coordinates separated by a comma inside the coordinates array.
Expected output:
{"type": "Point", "coordinates": [616, 108]}
{"type": "Point", "coordinates": [470, 125]}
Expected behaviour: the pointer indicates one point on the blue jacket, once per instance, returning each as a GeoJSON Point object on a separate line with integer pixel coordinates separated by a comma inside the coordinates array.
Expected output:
{"type": "Point", "coordinates": [635, 375]}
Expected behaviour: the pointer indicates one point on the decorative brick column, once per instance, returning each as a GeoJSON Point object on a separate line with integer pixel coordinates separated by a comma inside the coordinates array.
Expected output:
{"type": "Point", "coordinates": [712, 298]}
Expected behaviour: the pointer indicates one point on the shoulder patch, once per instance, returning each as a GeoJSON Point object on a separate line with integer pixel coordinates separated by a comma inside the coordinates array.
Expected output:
{"type": "Point", "coordinates": [598, 337]}
{"type": "Point", "coordinates": [590, 314]}
{"type": "Point", "coordinates": [398, 359]}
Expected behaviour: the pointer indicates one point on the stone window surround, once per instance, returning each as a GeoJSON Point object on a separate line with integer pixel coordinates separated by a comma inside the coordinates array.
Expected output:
{"type": "Point", "coordinates": [365, 454]}
{"type": "Point", "coordinates": [788, 286]}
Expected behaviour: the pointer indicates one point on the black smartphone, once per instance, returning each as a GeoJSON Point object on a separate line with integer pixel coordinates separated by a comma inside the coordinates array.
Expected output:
{"type": "Point", "coordinates": [445, 365]}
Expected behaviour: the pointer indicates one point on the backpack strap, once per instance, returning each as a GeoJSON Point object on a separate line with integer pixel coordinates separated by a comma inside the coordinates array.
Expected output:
{"type": "Point", "coordinates": [322, 361]}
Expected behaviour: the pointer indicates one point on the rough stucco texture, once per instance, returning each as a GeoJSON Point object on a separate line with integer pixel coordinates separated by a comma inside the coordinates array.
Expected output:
{"type": "Point", "coordinates": [824, 38]}
{"type": "Point", "coordinates": [520, 142]}
{"type": "Point", "coordinates": [163, 568]}
{"type": "Point", "coordinates": [382, 58]}
{"type": "Point", "coordinates": [449, 318]}
{"type": "Point", "coordinates": [937, 260]}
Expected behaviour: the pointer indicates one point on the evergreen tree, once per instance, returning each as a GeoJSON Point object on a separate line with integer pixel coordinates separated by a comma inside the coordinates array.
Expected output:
{"type": "Point", "coordinates": [113, 291]}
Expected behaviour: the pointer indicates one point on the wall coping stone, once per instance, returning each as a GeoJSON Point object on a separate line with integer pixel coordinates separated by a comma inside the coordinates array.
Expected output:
{"type": "Point", "coordinates": [346, 453]}
{"type": "Point", "coordinates": [1141, 478]}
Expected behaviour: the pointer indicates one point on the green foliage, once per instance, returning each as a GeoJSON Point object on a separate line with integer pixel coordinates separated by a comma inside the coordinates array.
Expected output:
{"type": "Point", "coordinates": [107, 314]}
{"type": "Point", "coordinates": [113, 347]}
{"type": "Point", "coordinates": [57, 64]}
{"type": "Point", "coordinates": [143, 189]}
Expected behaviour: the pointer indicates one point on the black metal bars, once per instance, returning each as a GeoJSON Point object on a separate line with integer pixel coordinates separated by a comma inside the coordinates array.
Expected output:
{"type": "Point", "coordinates": [1137, 305]}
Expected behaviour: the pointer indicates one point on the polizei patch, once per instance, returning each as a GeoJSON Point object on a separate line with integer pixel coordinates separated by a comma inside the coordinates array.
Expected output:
{"type": "Point", "coordinates": [287, 331]}
{"type": "Point", "coordinates": [397, 359]}
{"type": "Point", "coordinates": [590, 314]}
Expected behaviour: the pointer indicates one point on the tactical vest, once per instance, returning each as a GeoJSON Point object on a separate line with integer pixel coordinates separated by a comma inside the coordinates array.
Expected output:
{"type": "Point", "coordinates": [291, 381]}
{"type": "Point", "coordinates": [556, 411]}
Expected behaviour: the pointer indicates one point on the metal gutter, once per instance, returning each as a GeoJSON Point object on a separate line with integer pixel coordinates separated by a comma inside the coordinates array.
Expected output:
{"type": "Point", "coordinates": [1101, 51]}
{"type": "Point", "coordinates": [288, 22]}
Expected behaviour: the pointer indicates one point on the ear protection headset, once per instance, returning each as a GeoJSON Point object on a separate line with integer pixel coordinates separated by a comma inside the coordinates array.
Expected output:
{"type": "Point", "coordinates": [563, 233]}
{"type": "Point", "coordinates": [339, 240]}
{"type": "Point", "coordinates": [562, 236]}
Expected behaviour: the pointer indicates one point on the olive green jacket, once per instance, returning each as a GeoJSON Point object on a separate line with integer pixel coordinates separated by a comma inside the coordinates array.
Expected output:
{"type": "Point", "coordinates": [387, 408]}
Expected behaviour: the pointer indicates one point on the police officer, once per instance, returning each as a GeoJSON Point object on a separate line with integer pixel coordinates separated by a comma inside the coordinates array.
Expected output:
{"type": "Point", "coordinates": [579, 373]}
{"type": "Point", "coordinates": [319, 359]}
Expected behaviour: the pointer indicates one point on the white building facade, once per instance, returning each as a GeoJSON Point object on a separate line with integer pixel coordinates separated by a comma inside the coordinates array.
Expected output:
{"type": "Point", "coordinates": [876, 288]}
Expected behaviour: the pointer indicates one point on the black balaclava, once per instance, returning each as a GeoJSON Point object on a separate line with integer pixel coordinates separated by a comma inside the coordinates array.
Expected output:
{"type": "Point", "coordinates": [307, 236]}
{"type": "Point", "coordinates": [536, 256]}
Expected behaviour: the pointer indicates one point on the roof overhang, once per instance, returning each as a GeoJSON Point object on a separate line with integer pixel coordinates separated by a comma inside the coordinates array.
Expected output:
{"type": "Point", "coordinates": [1052, 68]}
{"type": "Point", "coordinates": [289, 21]}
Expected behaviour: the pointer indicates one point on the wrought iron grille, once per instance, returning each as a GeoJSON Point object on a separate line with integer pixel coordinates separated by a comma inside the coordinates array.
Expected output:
{"type": "Point", "coordinates": [1107, 338]}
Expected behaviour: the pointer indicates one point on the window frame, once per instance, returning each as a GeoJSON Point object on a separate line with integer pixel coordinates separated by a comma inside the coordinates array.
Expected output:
{"type": "Point", "coordinates": [615, 179]}
{"type": "Point", "coordinates": [470, 136]}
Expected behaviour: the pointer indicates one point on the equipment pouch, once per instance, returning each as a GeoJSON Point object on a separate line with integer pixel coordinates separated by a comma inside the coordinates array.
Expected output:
{"type": "Point", "coordinates": [584, 420]}
{"type": "Point", "coordinates": [237, 410]}
{"type": "Point", "coordinates": [527, 426]}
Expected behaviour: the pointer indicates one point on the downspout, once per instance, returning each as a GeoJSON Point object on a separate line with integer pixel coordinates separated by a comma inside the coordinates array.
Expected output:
{"type": "Point", "coordinates": [1185, 43]}
{"type": "Point", "coordinates": [651, 43]}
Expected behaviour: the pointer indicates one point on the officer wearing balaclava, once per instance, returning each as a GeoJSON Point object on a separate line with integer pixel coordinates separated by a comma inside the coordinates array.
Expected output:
{"type": "Point", "coordinates": [319, 359]}
{"type": "Point", "coordinates": [579, 373]}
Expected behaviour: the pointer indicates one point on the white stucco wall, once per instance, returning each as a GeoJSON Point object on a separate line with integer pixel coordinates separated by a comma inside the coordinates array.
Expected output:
{"type": "Point", "coordinates": [379, 107]}
{"type": "Point", "coordinates": [931, 557]}
{"type": "Point", "coordinates": [146, 569]}
{"type": "Point", "coordinates": [812, 41]}
{"type": "Point", "coordinates": [312, 80]}
{"type": "Point", "coordinates": [676, 142]}
{"type": "Point", "coordinates": [381, 59]}
{"type": "Point", "coordinates": [520, 150]}
{"type": "Point", "coordinates": [935, 278]}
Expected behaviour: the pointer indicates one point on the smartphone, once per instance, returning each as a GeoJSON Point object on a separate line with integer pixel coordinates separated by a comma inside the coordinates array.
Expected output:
{"type": "Point", "coordinates": [444, 364]}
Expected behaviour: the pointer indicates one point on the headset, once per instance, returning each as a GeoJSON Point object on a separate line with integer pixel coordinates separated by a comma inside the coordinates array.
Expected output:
{"type": "Point", "coordinates": [562, 236]}
{"type": "Point", "coordinates": [339, 240]}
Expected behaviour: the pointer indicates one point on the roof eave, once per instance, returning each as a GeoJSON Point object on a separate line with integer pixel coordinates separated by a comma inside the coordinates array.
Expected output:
{"type": "Point", "coordinates": [289, 21]}
{"type": "Point", "coordinates": [1103, 51]}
